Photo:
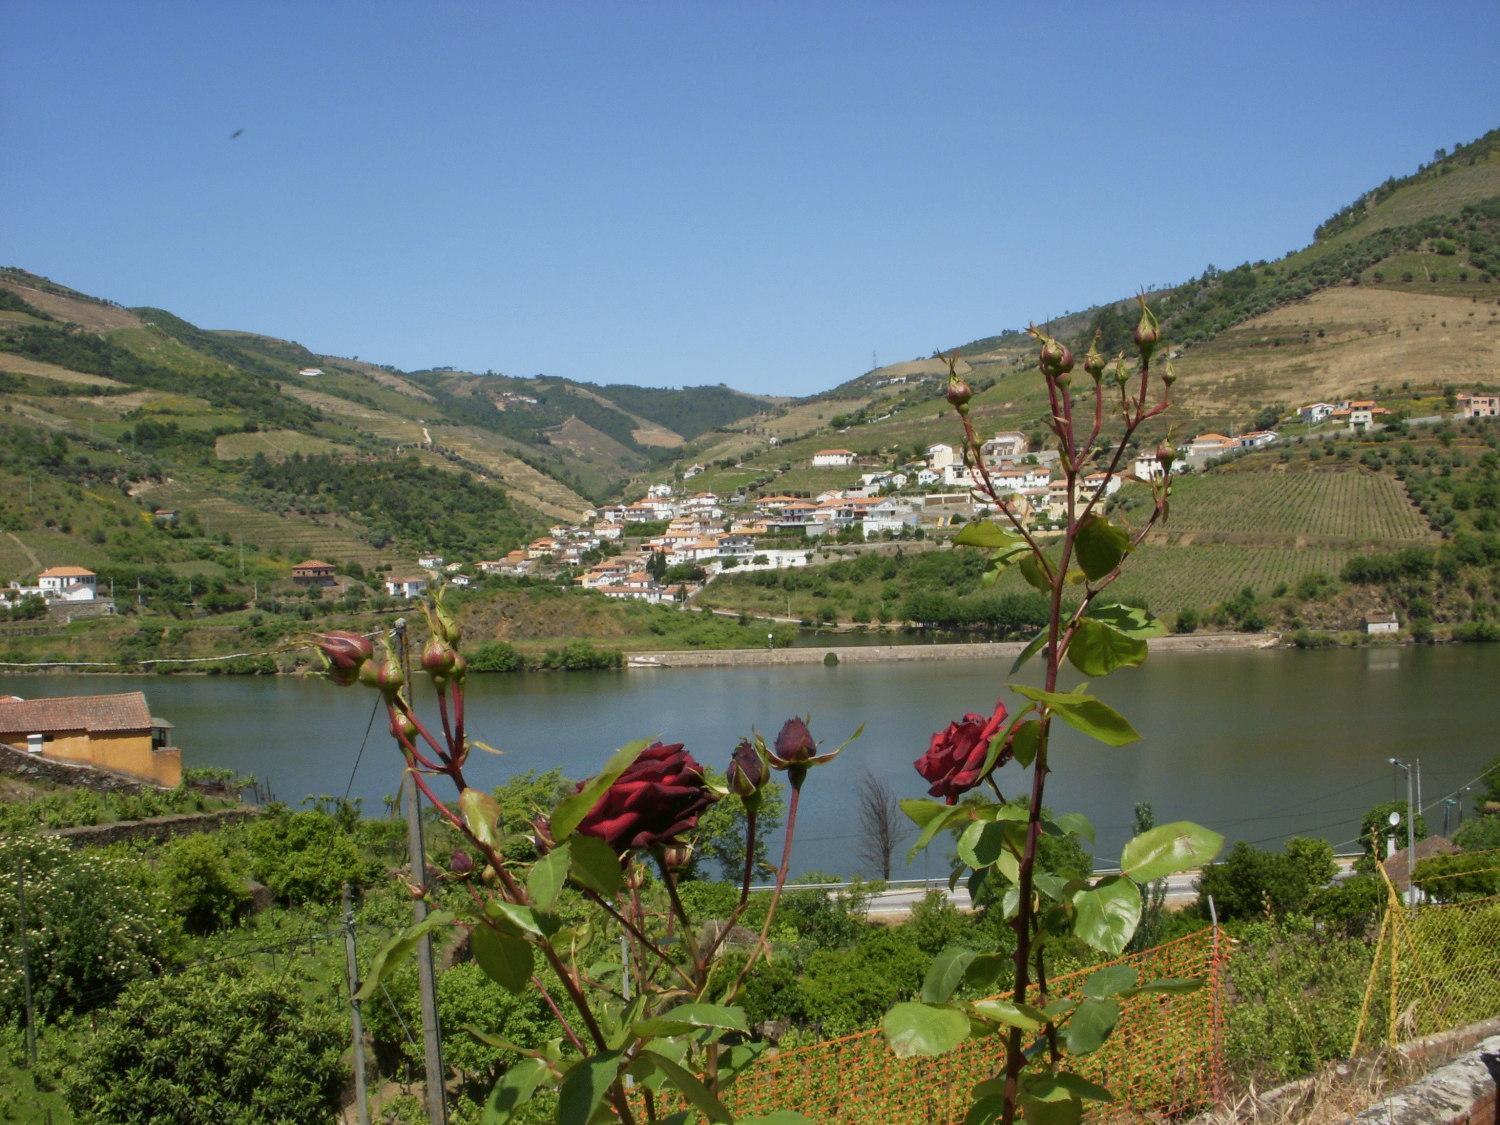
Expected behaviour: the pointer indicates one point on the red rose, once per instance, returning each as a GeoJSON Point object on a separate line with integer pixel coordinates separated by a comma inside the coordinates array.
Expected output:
{"type": "Point", "coordinates": [658, 797]}
{"type": "Point", "coordinates": [956, 756]}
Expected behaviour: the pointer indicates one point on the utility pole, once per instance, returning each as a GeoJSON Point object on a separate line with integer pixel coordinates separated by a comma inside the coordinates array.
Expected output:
{"type": "Point", "coordinates": [437, 1108]}
{"type": "Point", "coordinates": [26, 962]}
{"type": "Point", "coordinates": [1411, 833]}
{"type": "Point", "coordinates": [361, 1103]}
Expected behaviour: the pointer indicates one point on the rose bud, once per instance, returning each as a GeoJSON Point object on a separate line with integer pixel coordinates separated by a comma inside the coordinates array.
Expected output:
{"type": "Point", "coordinates": [1165, 455]}
{"type": "Point", "coordinates": [438, 657]}
{"type": "Point", "coordinates": [795, 744]}
{"type": "Point", "coordinates": [1169, 376]}
{"type": "Point", "coordinates": [383, 672]}
{"type": "Point", "coordinates": [1093, 362]}
{"type": "Point", "coordinates": [1147, 333]}
{"type": "Point", "coordinates": [461, 863]}
{"type": "Point", "coordinates": [748, 771]}
{"type": "Point", "coordinates": [1122, 374]}
{"type": "Point", "coordinates": [676, 857]}
{"type": "Point", "coordinates": [959, 393]}
{"type": "Point", "coordinates": [954, 760]}
{"type": "Point", "coordinates": [1056, 359]}
{"type": "Point", "coordinates": [658, 798]}
{"type": "Point", "coordinates": [343, 653]}
{"type": "Point", "coordinates": [402, 728]}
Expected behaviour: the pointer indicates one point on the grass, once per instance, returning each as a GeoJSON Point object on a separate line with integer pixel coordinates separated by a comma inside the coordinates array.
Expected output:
{"type": "Point", "coordinates": [275, 444]}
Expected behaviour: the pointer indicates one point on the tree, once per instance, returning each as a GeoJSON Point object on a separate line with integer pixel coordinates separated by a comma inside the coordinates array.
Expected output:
{"type": "Point", "coordinates": [1251, 883]}
{"type": "Point", "coordinates": [882, 825]}
{"type": "Point", "coordinates": [204, 892]}
{"type": "Point", "coordinates": [212, 1046]}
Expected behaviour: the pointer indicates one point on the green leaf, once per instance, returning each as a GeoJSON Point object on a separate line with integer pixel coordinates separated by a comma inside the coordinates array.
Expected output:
{"type": "Point", "coordinates": [505, 959]}
{"type": "Point", "coordinates": [1076, 824]}
{"type": "Point", "coordinates": [986, 533]}
{"type": "Point", "coordinates": [585, 1086]}
{"type": "Point", "coordinates": [1063, 1109]}
{"type": "Point", "coordinates": [1129, 619]}
{"type": "Point", "coordinates": [924, 1029]}
{"type": "Point", "coordinates": [1109, 980]}
{"type": "Point", "coordinates": [1073, 1084]}
{"type": "Point", "coordinates": [1083, 713]}
{"type": "Point", "coordinates": [516, 919]}
{"type": "Point", "coordinates": [982, 843]}
{"type": "Point", "coordinates": [985, 1111]}
{"type": "Point", "coordinates": [1100, 546]}
{"type": "Point", "coordinates": [481, 813]}
{"type": "Point", "coordinates": [985, 969]}
{"type": "Point", "coordinates": [1034, 573]}
{"type": "Point", "coordinates": [398, 949]}
{"type": "Point", "coordinates": [1091, 1025]}
{"type": "Point", "coordinates": [1024, 744]}
{"type": "Point", "coordinates": [1097, 649]}
{"type": "Point", "coordinates": [1107, 914]}
{"type": "Point", "coordinates": [946, 973]}
{"type": "Point", "coordinates": [1165, 984]}
{"type": "Point", "coordinates": [1010, 1013]}
{"type": "Point", "coordinates": [932, 817]}
{"type": "Point", "coordinates": [1033, 647]}
{"type": "Point", "coordinates": [548, 875]}
{"type": "Point", "coordinates": [699, 1096]}
{"type": "Point", "coordinates": [572, 809]}
{"type": "Point", "coordinates": [515, 1088]}
{"type": "Point", "coordinates": [691, 1017]}
{"type": "Point", "coordinates": [595, 865]}
{"type": "Point", "coordinates": [1169, 849]}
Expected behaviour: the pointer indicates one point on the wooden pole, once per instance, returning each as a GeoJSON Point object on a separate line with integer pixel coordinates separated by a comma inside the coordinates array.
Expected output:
{"type": "Point", "coordinates": [437, 1108]}
{"type": "Point", "coordinates": [361, 1100]}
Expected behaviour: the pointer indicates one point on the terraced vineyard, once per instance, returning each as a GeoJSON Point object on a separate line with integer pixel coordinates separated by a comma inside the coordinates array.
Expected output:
{"type": "Point", "coordinates": [275, 444]}
{"type": "Point", "coordinates": [1203, 574]}
{"type": "Point", "coordinates": [1346, 507]}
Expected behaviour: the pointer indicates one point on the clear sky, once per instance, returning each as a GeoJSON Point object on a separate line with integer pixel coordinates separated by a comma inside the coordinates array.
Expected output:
{"type": "Point", "coordinates": [757, 193]}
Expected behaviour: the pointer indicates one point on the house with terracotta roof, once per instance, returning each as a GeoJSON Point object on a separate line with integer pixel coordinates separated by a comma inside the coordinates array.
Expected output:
{"type": "Point", "coordinates": [1211, 445]}
{"type": "Point", "coordinates": [69, 583]}
{"type": "Point", "coordinates": [111, 732]}
{"type": "Point", "coordinates": [1478, 405]}
{"type": "Point", "coordinates": [313, 572]}
{"type": "Point", "coordinates": [410, 586]}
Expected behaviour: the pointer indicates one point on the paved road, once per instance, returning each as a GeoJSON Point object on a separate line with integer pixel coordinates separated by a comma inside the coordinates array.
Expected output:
{"type": "Point", "coordinates": [898, 900]}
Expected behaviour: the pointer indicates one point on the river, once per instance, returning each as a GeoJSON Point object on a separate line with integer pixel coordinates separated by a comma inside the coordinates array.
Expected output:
{"type": "Point", "coordinates": [1259, 745]}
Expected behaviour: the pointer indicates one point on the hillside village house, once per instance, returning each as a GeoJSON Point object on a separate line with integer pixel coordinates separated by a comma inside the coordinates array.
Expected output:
{"type": "Point", "coordinates": [68, 583]}
{"type": "Point", "coordinates": [1380, 623]}
{"type": "Point", "coordinates": [112, 732]}
{"type": "Point", "coordinates": [1007, 446]}
{"type": "Point", "coordinates": [430, 562]}
{"type": "Point", "coordinates": [940, 456]}
{"type": "Point", "coordinates": [1315, 412]}
{"type": "Point", "coordinates": [1479, 406]}
{"type": "Point", "coordinates": [408, 587]}
{"type": "Point", "coordinates": [831, 457]}
{"type": "Point", "coordinates": [313, 572]}
{"type": "Point", "coordinates": [1147, 467]}
{"type": "Point", "coordinates": [1210, 445]}
{"type": "Point", "coordinates": [1257, 439]}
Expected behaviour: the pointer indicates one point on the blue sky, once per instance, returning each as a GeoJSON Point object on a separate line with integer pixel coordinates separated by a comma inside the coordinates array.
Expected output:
{"type": "Point", "coordinates": [762, 194]}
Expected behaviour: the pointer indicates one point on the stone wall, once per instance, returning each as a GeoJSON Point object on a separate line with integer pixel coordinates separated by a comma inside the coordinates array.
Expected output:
{"type": "Point", "coordinates": [1461, 1093]}
{"type": "Point", "coordinates": [156, 828]}
{"type": "Point", "coordinates": [37, 768]}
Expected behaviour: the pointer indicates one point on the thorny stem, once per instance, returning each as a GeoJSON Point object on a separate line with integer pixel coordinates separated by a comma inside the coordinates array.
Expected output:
{"type": "Point", "coordinates": [678, 912]}
{"type": "Point", "coordinates": [749, 856]}
{"type": "Point", "coordinates": [635, 932]}
{"type": "Point", "coordinates": [786, 859]}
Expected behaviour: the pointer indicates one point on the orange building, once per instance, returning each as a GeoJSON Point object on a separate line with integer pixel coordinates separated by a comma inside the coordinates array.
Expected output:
{"type": "Point", "coordinates": [112, 732]}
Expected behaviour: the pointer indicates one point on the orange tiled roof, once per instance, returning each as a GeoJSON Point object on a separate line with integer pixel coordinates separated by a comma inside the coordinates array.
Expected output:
{"type": "Point", "coordinates": [126, 711]}
{"type": "Point", "coordinates": [68, 572]}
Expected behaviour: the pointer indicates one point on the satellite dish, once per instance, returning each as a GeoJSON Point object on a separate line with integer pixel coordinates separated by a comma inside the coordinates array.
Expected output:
{"type": "Point", "coordinates": [1394, 819]}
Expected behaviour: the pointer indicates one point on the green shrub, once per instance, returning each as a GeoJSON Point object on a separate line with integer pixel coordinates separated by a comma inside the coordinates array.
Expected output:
{"type": "Point", "coordinates": [1251, 883]}
{"type": "Point", "coordinates": [212, 1046]}
{"type": "Point", "coordinates": [94, 921]}
{"type": "Point", "coordinates": [496, 656]}
{"type": "Point", "coordinates": [202, 889]}
{"type": "Point", "coordinates": [1482, 833]}
{"type": "Point", "coordinates": [1452, 878]}
{"type": "Point", "coordinates": [307, 856]}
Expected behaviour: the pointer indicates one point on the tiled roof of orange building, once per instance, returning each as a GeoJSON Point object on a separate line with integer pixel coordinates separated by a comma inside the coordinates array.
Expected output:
{"type": "Point", "coordinates": [124, 712]}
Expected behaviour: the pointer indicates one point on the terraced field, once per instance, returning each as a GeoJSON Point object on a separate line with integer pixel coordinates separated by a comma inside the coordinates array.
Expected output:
{"type": "Point", "coordinates": [1335, 508]}
{"type": "Point", "coordinates": [275, 444]}
{"type": "Point", "coordinates": [1204, 574]}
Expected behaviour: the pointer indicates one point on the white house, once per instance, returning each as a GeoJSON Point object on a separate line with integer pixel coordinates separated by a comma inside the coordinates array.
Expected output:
{"type": "Point", "coordinates": [1479, 406]}
{"type": "Point", "coordinates": [1147, 467]}
{"type": "Point", "coordinates": [1257, 439]}
{"type": "Point", "coordinates": [1360, 417]}
{"type": "Point", "coordinates": [430, 562]}
{"type": "Point", "coordinates": [608, 531]}
{"type": "Point", "coordinates": [659, 491]}
{"type": "Point", "coordinates": [1210, 445]}
{"type": "Point", "coordinates": [459, 580]}
{"type": "Point", "coordinates": [940, 456]}
{"type": "Point", "coordinates": [827, 458]}
{"type": "Point", "coordinates": [409, 587]}
{"type": "Point", "coordinates": [1007, 446]}
{"type": "Point", "coordinates": [1315, 412]}
{"type": "Point", "coordinates": [889, 515]}
{"type": "Point", "coordinates": [1379, 623]}
{"type": "Point", "coordinates": [69, 583]}
{"type": "Point", "coordinates": [927, 477]}
{"type": "Point", "coordinates": [692, 471]}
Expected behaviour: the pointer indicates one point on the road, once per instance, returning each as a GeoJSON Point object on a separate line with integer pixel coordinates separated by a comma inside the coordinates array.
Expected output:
{"type": "Point", "coordinates": [901, 895]}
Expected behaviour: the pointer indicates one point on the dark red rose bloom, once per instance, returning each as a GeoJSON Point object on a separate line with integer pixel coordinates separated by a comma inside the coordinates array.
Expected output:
{"type": "Point", "coordinates": [956, 755]}
{"type": "Point", "coordinates": [747, 772]}
{"type": "Point", "coordinates": [658, 797]}
{"type": "Point", "coordinates": [795, 742]}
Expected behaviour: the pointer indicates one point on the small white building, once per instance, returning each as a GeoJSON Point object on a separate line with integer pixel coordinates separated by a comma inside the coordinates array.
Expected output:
{"type": "Point", "coordinates": [1257, 439]}
{"type": "Point", "coordinates": [69, 583]}
{"type": "Point", "coordinates": [940, 456]}
{"type": "Point", "coordinates": [832, 458]}
{"type": "Point", "coordinates": [1008, 446]}
{"type": "Point", "coordinates": [1315, 412]}
{"type": "Point", "coordinates": [460, 580]}
{"type": "Point", "coordinates": [692, 471]}
{"type": "Point", "coordinates": [408, 587]}
{"type": "Point", "coordinates": [1379, 623]}
{"type": "Point", "coordinates": [1147, 467]}
{"type": "Point", "coordinates": [659, 491]}
{"type": "Point", "coordinates": [430, 562]}
{"type": "Point", "coordinates": [309, 372]}
{"type": "Point", "coordinates": [1478, 406]}
{"type": "Point", "coordinates": [1211, 445]}
{"type": "Point", "coordinates": [1360, 417]}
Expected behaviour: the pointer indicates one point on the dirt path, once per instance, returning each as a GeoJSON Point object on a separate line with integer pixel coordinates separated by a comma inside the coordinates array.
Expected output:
{"type": "Point", "coordinates": [30, 554]}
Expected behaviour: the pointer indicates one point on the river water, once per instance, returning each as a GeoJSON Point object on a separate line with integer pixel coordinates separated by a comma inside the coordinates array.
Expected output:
{"type": "Point", "coordinates": [1260, 745]}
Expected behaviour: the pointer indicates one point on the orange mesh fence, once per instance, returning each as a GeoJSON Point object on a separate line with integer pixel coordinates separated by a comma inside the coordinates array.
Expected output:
{"type": "Point", "coordinates": [1163, 1058]}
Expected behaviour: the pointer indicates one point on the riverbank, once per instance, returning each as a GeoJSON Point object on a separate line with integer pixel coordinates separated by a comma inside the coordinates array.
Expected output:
{"type": "Point", "coordinates": [883, 654]}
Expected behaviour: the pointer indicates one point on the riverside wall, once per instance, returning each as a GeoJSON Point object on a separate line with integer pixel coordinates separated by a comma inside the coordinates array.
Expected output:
{"type": "Point", "coordinates": [883, 654]}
